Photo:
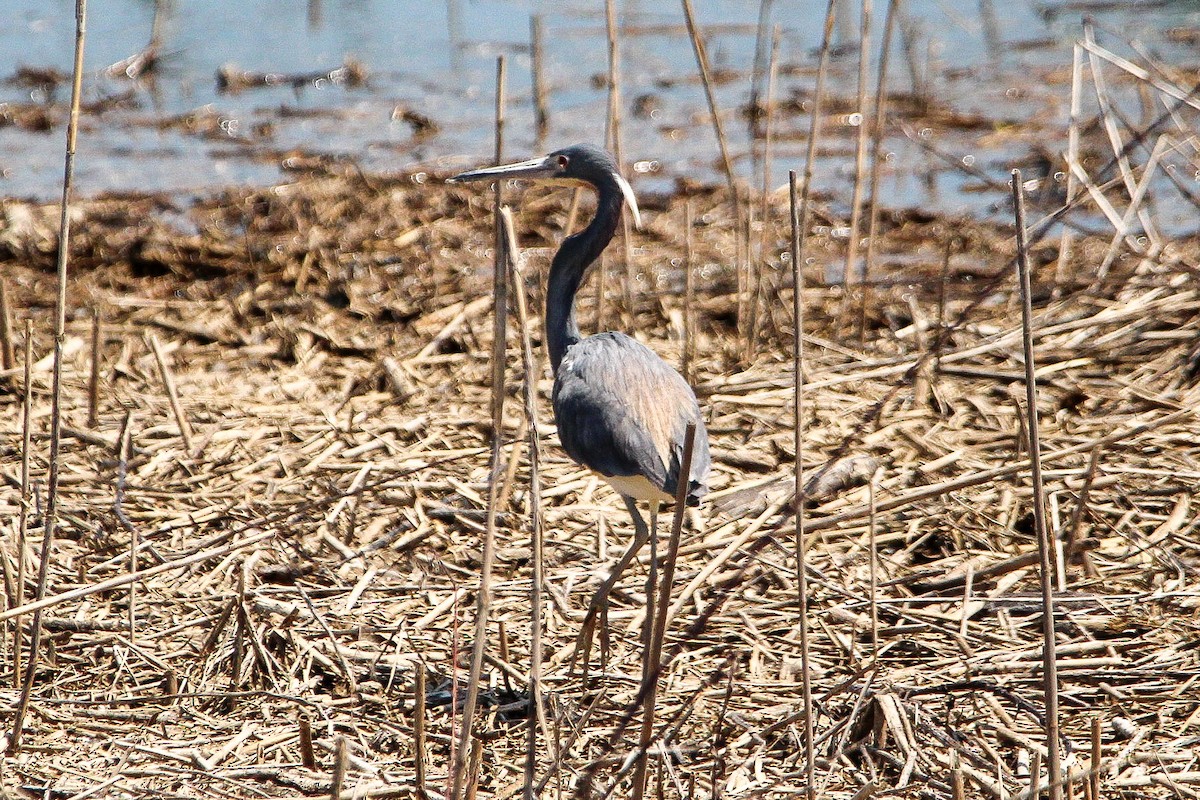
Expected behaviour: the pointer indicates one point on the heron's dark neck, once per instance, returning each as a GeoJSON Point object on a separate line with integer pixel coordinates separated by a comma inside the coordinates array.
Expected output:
{"type": "Point", "coordinates": [569, 267]}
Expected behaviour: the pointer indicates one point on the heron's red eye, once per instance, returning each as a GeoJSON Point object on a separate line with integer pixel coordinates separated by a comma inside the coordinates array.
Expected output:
{"type": "Point", "coordinates": [562, 162]}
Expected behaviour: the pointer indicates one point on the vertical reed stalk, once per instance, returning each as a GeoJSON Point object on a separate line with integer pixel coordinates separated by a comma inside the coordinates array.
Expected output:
{"type": "Point", "coordinates": [124, 446]}
{"type": "Point", "coordinates": [758, 267]}
{"type": "Point", "coordinates": [338, 779]}
{"type": "Point", "coordinates": [419, 730]}
{"type": "Point", "coordinates": [706, 79]}
{"type": "Point", "coordinates": [800, 215]}
{"type": "Point", "coordinates": [535, 507]}
{"type": "Point", "coordinates": [689, 295]}
{"type": "Point", "coordinates": [26, 498]}
{"type": "Point", "coordinates": [658, 632]}
{"type": "Point", "coordinates": [613, 136]}
{"type": "Point", "coordinates": [308, 757]}
{"type": "Point", "coordinates": [872, 495]}
{"type": "Point", "coordinates": [541, 113]}
{"type": "Point", "coordinates": [1066, 241]}
{"type": "Point", "coordinates": [798, 428]}
{"type": "Point", "coordinates": [877, 128]}
{"type": "Point", "coordinates": [760, 56]}
{"type": "Point", "coordinates": [60, 326]}
{"type": "Point", "coordinates": [1094, 767]}
{"type": "Point", "coordinates": [860, 149]}
{"type": "Point", "coordinates": [1045, 546]}
{"type": "Point", "coordinates": [483, 598]}
{"type": "Point", "coordinates": [94, 375]}
{"type": "Point", "coordinates": [8, 356]}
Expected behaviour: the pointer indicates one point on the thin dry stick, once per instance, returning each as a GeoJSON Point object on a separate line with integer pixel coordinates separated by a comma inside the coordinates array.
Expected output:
{"type": "Point", "coordinates": [702, 63]}
{"type": "Point", "coordinates": [483, 598]}
{"type": "Point", "coordinates": [7, 351]}
{"type": "Point", "coordinates": [877, 120]}
{"type": "Point", "coordinates": [541, 113]}
{"type": "Point", "coordinates": [536, 715]}
{"type": "Point", "coordinates": [26, 498]}
{"type": "Point", "coordinates": [94, 376]}
{"type": "Point", "coordinates": [1045, 546]}
{"type": "Point", "coordinates": [658, 632]}
{"type": "Point", "coordinates": [60, 326]}
{"type": "Point", "coordinates": [860, 151]}
{"type": "Point", "coordinates": [185, 428]}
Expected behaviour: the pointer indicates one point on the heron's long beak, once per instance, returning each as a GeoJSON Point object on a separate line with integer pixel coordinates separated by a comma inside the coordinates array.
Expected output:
{"type": "Point", "coordinates": [543, 167]}
{"type": "Point", "coordinates": [540, 167]}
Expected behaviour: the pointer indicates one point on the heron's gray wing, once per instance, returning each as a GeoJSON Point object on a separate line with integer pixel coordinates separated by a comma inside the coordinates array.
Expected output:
{"type": "Point", "coordinates": [622, 410]}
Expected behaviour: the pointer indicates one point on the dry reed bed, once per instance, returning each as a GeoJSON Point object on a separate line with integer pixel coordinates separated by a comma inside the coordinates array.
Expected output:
{"type": "Point", "coordinates": [329, 340]}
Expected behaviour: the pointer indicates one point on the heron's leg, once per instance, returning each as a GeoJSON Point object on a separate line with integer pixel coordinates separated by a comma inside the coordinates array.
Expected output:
{"type": "Point", "coordinates": [583, 644]}
{"type": "Point", "coordinates": [651, 585]}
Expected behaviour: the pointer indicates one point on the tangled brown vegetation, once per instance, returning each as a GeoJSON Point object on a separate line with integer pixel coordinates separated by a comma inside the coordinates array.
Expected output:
{"type": "Point", "coordinates": [329, 339]}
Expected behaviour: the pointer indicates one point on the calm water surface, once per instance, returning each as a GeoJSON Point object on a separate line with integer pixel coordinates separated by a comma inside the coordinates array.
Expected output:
{"type": "Point", "coordinates": [1004, 62]}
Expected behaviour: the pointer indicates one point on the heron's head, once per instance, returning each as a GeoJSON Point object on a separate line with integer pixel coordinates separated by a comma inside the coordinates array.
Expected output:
{"type": "Point", "coordinates": [580, 163]}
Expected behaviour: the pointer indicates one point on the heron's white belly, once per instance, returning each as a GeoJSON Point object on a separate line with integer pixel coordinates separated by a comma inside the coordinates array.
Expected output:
{"type": "Point", "coordinates": [638, 487]}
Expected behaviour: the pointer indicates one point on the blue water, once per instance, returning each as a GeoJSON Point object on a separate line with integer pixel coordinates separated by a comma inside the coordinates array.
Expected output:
{"type": "Point", "coordinates": [439, 60]}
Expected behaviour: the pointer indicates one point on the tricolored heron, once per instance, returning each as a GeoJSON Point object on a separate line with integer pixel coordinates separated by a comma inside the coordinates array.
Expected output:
{"type": "Point", "coordinates": [621, 410]}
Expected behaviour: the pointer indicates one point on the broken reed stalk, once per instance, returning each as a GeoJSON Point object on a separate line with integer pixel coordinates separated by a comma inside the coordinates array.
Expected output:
{"type": "Point", "coordinates": [797, 248]}
{"type": "Point", "coordinates": [308, 757]}
{"type": "Point", "coordinates": [877, 123]}
{"type": "Point", "coordinates": [535, 505]}
{"type": "Point", "coordinates": [860, 148]}
{"type": "Point", "coordinates": [649, 690]}
{"type": "Point", "coordinates": [338, 779]}
{"type": "Point", "coordinates": [94, 375]}
{"type": "Point", "coordinates": [541, 113]}
{"type": "Point", "coordinates": [26, 498]}
{"type": "Point", "coordinates": [164, 371]}
{"type": "Point", "coordinates": [483, 598]}
{"type": "Point", "coordinates": [8, 356]}
{"type": "Point", "coordinates": [706, 79]}
{"type": "Point", "coordinates": [60, 326]}
{"type": "Point", "coordinates": [419, 730]}
{"type": "Point", "coordinates": [1045, 546]}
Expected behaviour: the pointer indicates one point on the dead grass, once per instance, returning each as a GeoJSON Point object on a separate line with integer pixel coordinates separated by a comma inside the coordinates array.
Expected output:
{"type": "Point", "coordinates": [329, 340]}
